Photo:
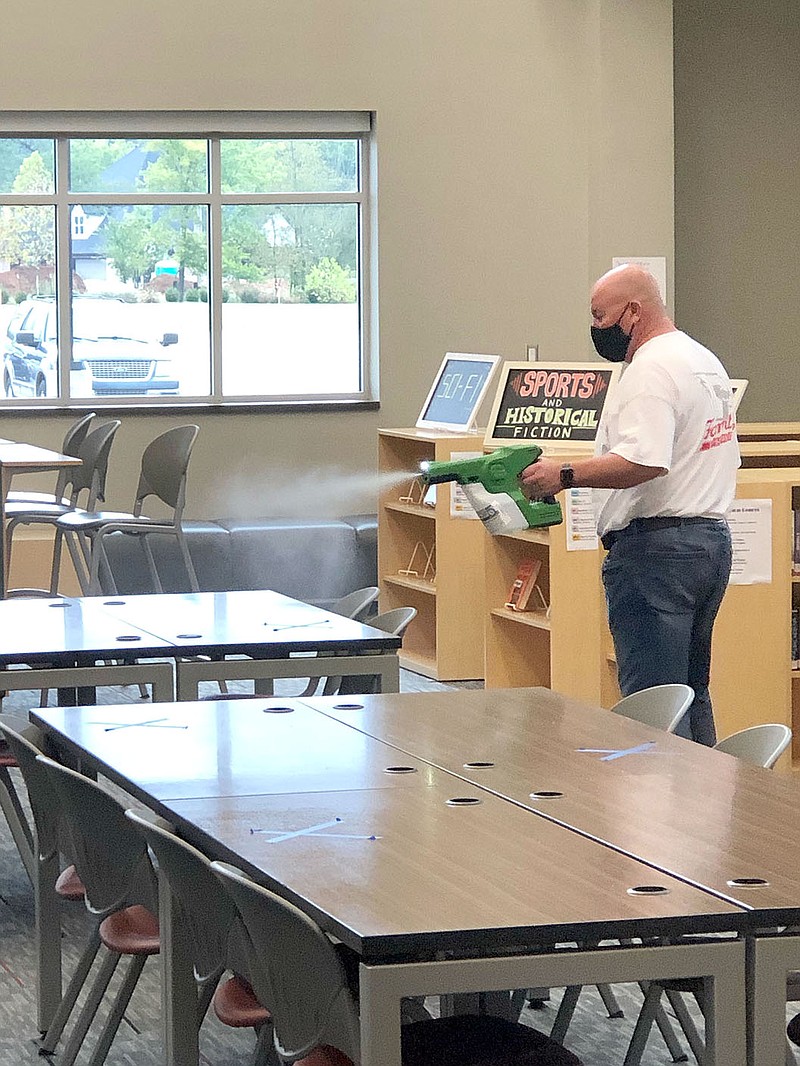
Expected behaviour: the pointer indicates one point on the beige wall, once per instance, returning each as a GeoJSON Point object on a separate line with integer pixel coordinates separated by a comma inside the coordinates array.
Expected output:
{"type": "Point", "coordinates": [737, 145]}
{"type": "Point", "coordinates": [521, 144]}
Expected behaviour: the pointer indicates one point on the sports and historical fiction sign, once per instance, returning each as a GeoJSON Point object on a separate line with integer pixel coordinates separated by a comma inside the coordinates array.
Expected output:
{"type": "Point", "coordinates": [559, 402]}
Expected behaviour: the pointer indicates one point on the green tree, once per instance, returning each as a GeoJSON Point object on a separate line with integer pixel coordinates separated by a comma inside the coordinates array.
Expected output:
{"type": "Point", "coordinates": [131, 245]}
{"type": "Point", "coordinates": [27, 233]}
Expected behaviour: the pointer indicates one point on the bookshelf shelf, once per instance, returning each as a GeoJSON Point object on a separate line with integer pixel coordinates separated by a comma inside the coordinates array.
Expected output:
{"type": "Point", "coordinates": [408, 581]}
{"type": "Point", "coordinates": [445, 640]}
{"type": "Point", "coordinates": [537, 619]}
{"type": "Point", "coordinates": [564, 651]}
{"type": "Point", "coordinates": [412, 508]}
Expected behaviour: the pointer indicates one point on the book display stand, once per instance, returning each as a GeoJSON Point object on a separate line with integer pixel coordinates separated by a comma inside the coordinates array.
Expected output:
{"type": "Point", "coordinates": [429, 558]}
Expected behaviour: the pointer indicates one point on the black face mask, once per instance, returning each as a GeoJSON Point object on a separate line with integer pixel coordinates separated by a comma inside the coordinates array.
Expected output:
{"type": "Point", "coordinates": [611, 342]}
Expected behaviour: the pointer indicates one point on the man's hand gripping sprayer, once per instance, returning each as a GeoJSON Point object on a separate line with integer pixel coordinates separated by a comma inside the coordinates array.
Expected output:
{"type": "Point", "coordinates": [491, 484]}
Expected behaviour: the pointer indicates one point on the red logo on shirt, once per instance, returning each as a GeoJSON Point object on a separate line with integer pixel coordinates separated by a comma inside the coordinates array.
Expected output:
{"type": "Point", "coordinates": [718, 431]}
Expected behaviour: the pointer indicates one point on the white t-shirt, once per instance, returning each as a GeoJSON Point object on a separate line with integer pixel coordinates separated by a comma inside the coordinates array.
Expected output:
{"type": "Point", "coordinates": [673, 408]}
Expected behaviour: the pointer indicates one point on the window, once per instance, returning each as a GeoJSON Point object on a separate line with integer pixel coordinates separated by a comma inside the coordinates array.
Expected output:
{"type": "Point", "coordinates": [159, 263]}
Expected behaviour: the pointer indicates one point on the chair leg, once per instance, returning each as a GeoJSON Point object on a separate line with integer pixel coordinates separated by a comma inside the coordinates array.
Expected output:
{"type": "Point", "coordinates": [55, 568]}
{"type": "Point", "coordinates": [48, 1042]}
{"type": "Point", "coordinates": [194, 585]}
{"type": "Point", "coordinates": [17, 822]}
{"type": "Point", "coordinates": [78, 562]}
{"type": "Point", "coordinates": [566, 1009]}
{"type": "Point", "coordinates": [118, 1010]}
{"type": "Point", "coordinates": [610, 1001]}
{"type": "Point", "coordinates": [151, 564]}
{"type": "Point", "coordinates": [668, 1036]}
{"type": "Point", "coordinates": [90, 1008]}
{"type": "Point", "coordinates": [696, 1042]}
{"type": "Point", "coordinates": [101, 576]}
{"type": "Point", "coordinates": [652, 1011]}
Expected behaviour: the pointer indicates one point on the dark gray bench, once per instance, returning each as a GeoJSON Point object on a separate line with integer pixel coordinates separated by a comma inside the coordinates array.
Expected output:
{"type": "Point", "coordinates": [315, 560]}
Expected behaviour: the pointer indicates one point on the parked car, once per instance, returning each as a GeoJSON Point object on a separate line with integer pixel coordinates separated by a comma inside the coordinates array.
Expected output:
{"type": "Point", "coordinates": [30, 358]}
{"type": "Point", "coordinates": [111, 353]}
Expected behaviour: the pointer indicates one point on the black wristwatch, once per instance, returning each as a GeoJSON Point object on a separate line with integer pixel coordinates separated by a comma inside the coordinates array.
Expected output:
{"type": "Point", "coordinates": [567, 476]}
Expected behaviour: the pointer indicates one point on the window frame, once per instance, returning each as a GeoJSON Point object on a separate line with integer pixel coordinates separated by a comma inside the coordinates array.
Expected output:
{"type": "Point", "coordinates": [212, 127]}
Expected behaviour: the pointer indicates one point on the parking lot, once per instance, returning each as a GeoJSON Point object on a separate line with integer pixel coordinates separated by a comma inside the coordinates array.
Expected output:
{"type": "Point", "coordinates": [268, 349]}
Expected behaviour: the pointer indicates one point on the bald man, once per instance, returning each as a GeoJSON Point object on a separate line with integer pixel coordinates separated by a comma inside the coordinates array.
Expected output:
{"type": "Point", "coordinates": [665, 469]}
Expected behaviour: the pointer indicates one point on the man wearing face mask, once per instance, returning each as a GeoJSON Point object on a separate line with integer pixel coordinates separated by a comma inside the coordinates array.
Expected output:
{"type": "Point", "coordinates": [665, 469]}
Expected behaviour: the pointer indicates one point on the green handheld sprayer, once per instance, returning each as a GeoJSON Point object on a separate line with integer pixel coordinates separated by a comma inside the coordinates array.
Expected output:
{"type": "Point", "coordinates": [491, 484]}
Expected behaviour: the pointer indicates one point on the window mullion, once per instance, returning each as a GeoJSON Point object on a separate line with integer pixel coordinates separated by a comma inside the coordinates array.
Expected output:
{"type": "Point", "coordinates": [215, 267]}
{"type": "Point", "coordinates": [63, 268]}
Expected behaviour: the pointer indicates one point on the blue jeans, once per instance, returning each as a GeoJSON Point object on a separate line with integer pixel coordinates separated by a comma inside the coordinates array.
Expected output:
{"type": "Point", "coordinates": [663, 590]}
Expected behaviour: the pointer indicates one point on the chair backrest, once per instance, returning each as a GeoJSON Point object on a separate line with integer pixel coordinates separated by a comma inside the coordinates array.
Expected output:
{"type": "Point", "coordinates": [205, 905]}
{"type": "Point", "coordinates": [95, 451]}
{"type": "Point", "coordinates": [73, 439]}
{"type": "Point", "coordinates": [76, 434]}
{"type": "Point", "coordinates": [661, 706]}
{"type": "Point", "coordinates": [395, 622]}
{"type": "Point", "coordinates": [109, 854]}
{"type": "Point", "coordinates": [294, 970]}
{"type": "Point", "coordinates": [355, 603]}
{"type": "Point", "coordinates": [165, 462]}
{"type": "Point", "coordinates": [24, 741]}
{"type": "Point", "coordinates": [761, 745]}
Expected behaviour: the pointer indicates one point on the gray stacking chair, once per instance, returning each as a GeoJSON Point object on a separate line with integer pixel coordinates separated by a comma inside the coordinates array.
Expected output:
{"type": "Point", "coordinates": [395, 622]}
{"type": "Point", "coordinates": [212, 920]}
{"type": "Point", "coordinates": [114, 866]}
{"type": "Point", "coordinates": [83, 484]}
{"type": "Point", "coordinates": [163, 474]}
{"type": "Point", "coordinates": [354, 605]}
{"type": "Point", "coordinates": [50, 840]}
{"type": "Point", "coordinates": [760, 745]}
{"type": "Point", "coordinates": [662, 706]}
{"type": "Point", "coordinates": [73, 438]}
{"type": "Point", "coordinates": [10, 801]}
{"type": "Point", "coordinates": [307, 986]}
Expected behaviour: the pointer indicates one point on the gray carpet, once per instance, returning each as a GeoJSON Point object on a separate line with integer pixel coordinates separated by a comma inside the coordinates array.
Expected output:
{"type": "Point", "coordinates": [597, 1040]}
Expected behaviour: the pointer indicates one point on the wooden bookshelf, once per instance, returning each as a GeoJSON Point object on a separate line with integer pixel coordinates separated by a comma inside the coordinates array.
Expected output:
{"type": "Point", "coordinates": [562, 649]}
{"type": "Point", "coordinates": [445, 640]}
{"type": "Point", "coordinates": [747, 431]}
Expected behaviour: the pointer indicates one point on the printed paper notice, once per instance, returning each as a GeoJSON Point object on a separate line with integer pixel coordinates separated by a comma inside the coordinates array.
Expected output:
{"type": "Point", "coordinates": [460, 507]}
{"type": "Point", "coordinates": [581, 520]}
{"type": "Point", "coordinates": [751, 532]}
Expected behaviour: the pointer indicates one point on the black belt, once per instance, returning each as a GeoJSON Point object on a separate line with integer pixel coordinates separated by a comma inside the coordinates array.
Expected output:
{"type": "Point", "coordinates": [642, 525]}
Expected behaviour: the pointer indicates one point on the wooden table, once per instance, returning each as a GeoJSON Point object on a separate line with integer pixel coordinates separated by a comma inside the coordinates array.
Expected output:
{"type": "Point", "coordinates": [699, 815]}
{"type": "Point", "coordinates": [400, 871]}
{"type": "Point", "coordinates": [71, 642]}
{"type": "Point", "coordinates": [693, 813]}
{"type": "Point", "coordinates": [275, 633]}
{"type": "Point", "coordinates": [23, 459]}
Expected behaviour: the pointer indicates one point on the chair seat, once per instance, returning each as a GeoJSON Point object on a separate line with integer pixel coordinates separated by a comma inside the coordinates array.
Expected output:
{"type": "Point", "coordinates": [33, 498]}
{"type": "Point", "coordinates": [132, 931]}
{"type": "Point", "coordinates": [69, 885]}
{"type": "Point", "coordinates": [235, 1004]}
{"type": "Point", "coordinates": [81, 521]}
{"type": "Point", "coordinates": [468, 1040]}
{"type": "Point", "coordinates": [31, 510]}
